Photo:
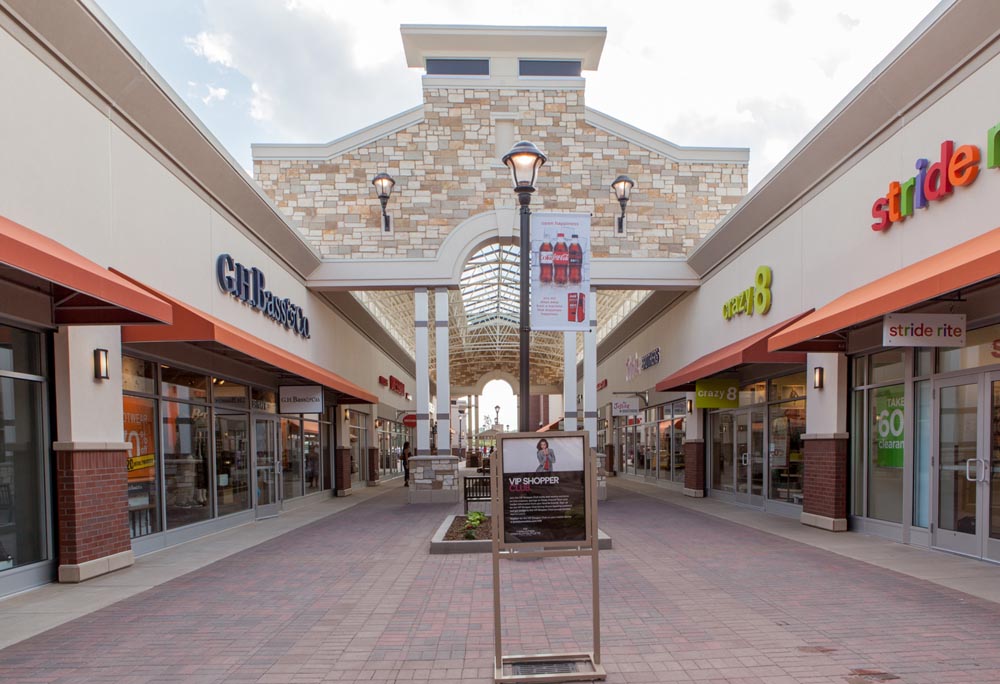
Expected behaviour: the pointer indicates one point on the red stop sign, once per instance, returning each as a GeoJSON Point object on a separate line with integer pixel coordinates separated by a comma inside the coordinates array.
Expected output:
{"type": "Point", "coordinates": [410, 420]}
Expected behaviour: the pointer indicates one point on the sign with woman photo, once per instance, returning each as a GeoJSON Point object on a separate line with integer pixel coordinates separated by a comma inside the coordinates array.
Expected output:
{"type": "Point", "coordinates": [543, 484]}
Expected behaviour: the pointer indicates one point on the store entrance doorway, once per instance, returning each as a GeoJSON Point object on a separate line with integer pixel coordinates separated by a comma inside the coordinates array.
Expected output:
{"type": "Point", "coordinates": [738, 456]}
{"type": "Point", "coordinates": [966, 495]}
{"type": "Point", "coordinates": [267, 468]}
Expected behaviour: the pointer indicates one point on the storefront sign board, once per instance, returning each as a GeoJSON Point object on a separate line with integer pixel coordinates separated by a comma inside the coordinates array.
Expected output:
{"type": "Point", "coordinates": [923, 330]}
{"type": "Point", "coordinates": [300, 399]}
{"type": "Point", "coordinates": [716, 393]}
{"type": "Point", "coordinates": [629, 406]}
{"type": "Point", "coordinates": [560, 271]}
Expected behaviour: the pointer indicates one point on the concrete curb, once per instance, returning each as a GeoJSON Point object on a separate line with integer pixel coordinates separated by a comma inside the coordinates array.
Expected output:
{"type": "Point", "coordinates": [440, 546]}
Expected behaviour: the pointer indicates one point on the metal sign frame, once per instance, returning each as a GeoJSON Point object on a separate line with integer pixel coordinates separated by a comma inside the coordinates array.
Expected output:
{"type": "Point", "coordinates": [588, 664]}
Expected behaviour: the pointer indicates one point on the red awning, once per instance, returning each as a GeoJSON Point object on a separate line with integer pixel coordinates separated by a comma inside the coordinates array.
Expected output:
{"type": "Point", "coordinates": [191, 325]}
{"type": "Point", "coordinates": [751, 349]}
{"type": "Point", "coordinates": [972, 261]}
{"type": "Point", "coordinates": [83, 293]}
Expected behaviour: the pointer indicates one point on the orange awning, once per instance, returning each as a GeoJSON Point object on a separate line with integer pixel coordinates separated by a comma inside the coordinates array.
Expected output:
{"type": "Point", "coordinates": [83, 293]}
{"type": "Point", "coordinates": [751, 349]}
{"type": "Point", "coordinates": [551, 426]}
{"type": "Point", "coordinates": [191, 325]}
{"type": "Point", "coordinates": [970, 262]}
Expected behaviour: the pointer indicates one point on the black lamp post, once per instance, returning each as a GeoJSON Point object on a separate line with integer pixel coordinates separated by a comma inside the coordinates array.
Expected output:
{"type": "Point", "coordinates": [384, 183]}
{"type": "Point", "coordinates": [622, 187]}
{"type": "Point", "coordinates": [524, 160]}
{"type": "Point", "coordinates": [497, 409]}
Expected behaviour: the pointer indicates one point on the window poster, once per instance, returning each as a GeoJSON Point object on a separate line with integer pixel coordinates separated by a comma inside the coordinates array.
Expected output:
{"type": "Point", "coordinates": [140, 432]}
{"type": "Point", "coordinates": [887, 426]}
{"type": "Point", "coordinates": [543, 488]}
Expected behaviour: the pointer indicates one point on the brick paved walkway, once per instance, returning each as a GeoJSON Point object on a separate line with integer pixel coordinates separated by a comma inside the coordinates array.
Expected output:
{"type": "Point", "coordinates": [685, 598]}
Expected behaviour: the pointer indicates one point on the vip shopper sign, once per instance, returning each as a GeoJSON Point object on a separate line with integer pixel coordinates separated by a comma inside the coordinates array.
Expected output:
{"type": "Point", "coordinates": [560, 271]}
{"type": "Point", "coordinates": [543, 480]}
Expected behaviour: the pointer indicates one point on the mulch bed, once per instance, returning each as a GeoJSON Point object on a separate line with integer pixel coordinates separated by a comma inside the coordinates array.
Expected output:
{"type": "Point", "coordinates": [457, 530]}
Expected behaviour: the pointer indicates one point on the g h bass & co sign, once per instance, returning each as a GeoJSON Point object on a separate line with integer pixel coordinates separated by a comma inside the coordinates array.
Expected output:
{"type": "Point", "coordinates": [247, 285]}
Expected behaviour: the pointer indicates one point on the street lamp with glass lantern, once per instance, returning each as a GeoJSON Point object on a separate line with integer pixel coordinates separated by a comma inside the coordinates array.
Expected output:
{"type": "Point", "coordinates": [622, 187]}
{"type": "Point", "coordinates": [524, 160]}
{"type": "Point", "coordinates": [384, 183]}
{"type": "Point", "coordinates": [497, 421]}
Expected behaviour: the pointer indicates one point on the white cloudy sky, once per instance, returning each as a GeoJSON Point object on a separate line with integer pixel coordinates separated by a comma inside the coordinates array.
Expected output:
{"type": "Point", "coordinates": [748, 73]}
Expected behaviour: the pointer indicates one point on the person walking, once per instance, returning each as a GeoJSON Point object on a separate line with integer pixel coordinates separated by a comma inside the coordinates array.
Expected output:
{"type": "Point", "coordinates": [405, 457]}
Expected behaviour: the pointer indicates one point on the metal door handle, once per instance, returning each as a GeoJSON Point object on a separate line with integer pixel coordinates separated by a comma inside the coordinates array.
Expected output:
{"type": "Point", "coordinates": [968, 476]}
{"type": "Point", "coordinates": [745, 459]}
{"type": "Point", "coordinates": [986, 469]}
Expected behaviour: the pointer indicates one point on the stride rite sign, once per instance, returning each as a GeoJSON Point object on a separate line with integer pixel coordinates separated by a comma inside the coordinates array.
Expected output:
{"type": "Point", "coordinates": [955, 168]}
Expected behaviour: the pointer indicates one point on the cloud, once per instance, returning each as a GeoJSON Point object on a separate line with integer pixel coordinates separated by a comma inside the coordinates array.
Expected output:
{"type": "Point", "coordinates": [781, 11]}
{"type": "Point", "coordinates": [847, 21]}
{"type": "Point", "coordinates": [261, 104]}
{"type": "Point", "coordinates": [306, 78]}
{"type": "Point", "coordinates": [215, 47]}
{"type": "Point", "coordinates": [215, 94]}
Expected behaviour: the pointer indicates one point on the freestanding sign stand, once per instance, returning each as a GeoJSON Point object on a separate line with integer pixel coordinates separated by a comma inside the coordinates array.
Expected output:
{"type": "Point", "coordinates": [544, 506]}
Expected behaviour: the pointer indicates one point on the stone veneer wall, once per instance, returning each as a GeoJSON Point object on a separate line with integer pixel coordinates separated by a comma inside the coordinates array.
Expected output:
{"type": "Point", "coordinates": [447, 170]}
{"type": "Point", "coordinates": [434, 479]}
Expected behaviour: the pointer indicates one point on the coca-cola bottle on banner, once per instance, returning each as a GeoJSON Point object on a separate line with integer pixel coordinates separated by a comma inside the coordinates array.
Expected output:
{"type": "Point", "coordinates": [545, 262]}
{"type": "Point", "coordinates": [575, 261]}
{"type": "Point", "coordinates": [560, 260]}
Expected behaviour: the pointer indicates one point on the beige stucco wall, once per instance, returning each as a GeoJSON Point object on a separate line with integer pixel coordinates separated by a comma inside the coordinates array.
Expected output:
{"type": "Point", "coordinates": [447, 168]}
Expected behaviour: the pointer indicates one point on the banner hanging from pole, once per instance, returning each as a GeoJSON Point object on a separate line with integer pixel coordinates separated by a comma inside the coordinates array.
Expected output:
{"type": "Point", "coordinates": [560, 271]}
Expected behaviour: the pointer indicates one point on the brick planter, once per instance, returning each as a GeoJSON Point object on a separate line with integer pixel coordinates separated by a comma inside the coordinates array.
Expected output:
{"type": "Point", "coordinates": [824, 486]}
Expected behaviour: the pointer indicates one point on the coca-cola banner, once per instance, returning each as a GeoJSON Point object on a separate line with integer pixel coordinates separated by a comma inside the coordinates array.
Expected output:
{"type": "Point", "coordinates": [560, 271]}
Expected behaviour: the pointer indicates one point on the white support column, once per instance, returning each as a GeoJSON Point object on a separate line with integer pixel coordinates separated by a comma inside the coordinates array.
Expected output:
{"type": "Point", "coordinates": [443, 381]}
{"type": "Point", "coordinates": [569, 381]}
{"type": "Point", "coordinates": [422, 353]}
{"type": "Point", "coordinates": [590, 391]}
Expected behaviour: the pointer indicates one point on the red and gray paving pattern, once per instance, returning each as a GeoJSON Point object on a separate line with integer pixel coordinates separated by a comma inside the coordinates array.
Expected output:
{"type": "Point", "coordinates": [355, 597]}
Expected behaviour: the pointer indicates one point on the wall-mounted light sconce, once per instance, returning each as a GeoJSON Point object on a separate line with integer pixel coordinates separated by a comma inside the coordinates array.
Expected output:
{"type": "Point", "coordinates": [622, 187]}
{"type": "Point", "coordinates": [102, 371]}
{"type": "Point", "coordinates": [408, 397]}
{"type": "Point", "coordinates": [818, 377]}
{"type": "Point", "coordinates": [384, 183]}
{"type": "Point", "coordinates": [378, 422]}
{"type": "Point", "coordinates": [347, 413]}
{"type": "Point", "coordinates": [690, 406]}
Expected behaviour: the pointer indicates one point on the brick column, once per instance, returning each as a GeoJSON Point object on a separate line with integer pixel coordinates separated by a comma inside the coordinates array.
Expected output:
{"type": "Point", "coordinates": [694, 467]}
{"type": "Point", "coordinates": [342, 471]}
{"type": "Point", "coordinates": [824, 486]}
{"type": "Point", "coordinates": [373, 471]}
{"type": "Point", "coordinates": [609, 459]}
{"type": "Point", "coordinates": [92, 503]}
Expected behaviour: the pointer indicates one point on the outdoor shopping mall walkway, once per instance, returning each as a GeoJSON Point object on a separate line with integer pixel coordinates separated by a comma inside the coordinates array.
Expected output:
{"type": "Point", "coordinates": [355, 596]}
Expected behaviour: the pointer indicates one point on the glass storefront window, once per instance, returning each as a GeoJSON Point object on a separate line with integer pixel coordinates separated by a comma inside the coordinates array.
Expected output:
{"type": "Point", "coordinates": [785, 450]}
{"type": "Point", "coordinates": [186, 434]}
{"type": "Point", "coordinates": [885, 452]}
{"type": "Point", "coordinates": [291, 457]}
{"type": "Point", "coordinates": [312, 447]}
{"type": "Point", "coordinates": [787, 387]}
{"type": "Point", "coordinates": [860, 365]}
{"type": "Point", "coordinates": [230, 395]}
{"type": "Point", "coordinates": [723, 434]}
{"type": "Point", "coordinates": [923, 361]}
{"type": "Point", "coordinates": [358, 426]}
{"type": "Point", "coordinates": [982, 348]}
{"type": "Point", "coordinates": [679, 435]}
{"type": "Point", "coordinates": [858, 442]}
{"type": "Point", "coordinates": [887, 366]}
{"type": "Point", "coordinates": [20, 351]}
{"type": "Point", "coordinates": [23, 529]}
{"type": "Point", "coordinates": [178, 383]}
{"type": "Point", "coordinates": [664, 452]}
{"type": "Point", "coordinates": [139, 416]}
{"type": "Point", "coordinates": [138, 375]}
{"type": "Point", "coordinates": [232, 461]}
{"type": "Point", "coordinates": [755, 393]}
{"type": "Point", "coordinates": [263, 400]}
{"type": "Point", "coordinates": [922, 456]}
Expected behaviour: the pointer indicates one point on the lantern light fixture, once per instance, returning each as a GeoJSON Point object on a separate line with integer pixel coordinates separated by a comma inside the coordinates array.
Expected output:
{"type": "Point", "coordinates": [384, 184]}
{"type": "Point", "coordinates": [622, 187]}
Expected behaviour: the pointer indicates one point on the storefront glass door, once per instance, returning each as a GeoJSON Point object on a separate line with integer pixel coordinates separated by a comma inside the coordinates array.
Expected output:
{"type": "Point", "coordinates": [738, 455]}
{"type": "Point", "coordinates": [967, 426]}
{"type": "Point", "coordinates": [267, 465]}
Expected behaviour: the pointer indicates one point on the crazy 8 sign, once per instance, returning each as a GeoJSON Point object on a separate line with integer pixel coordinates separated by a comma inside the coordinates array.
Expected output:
{"type": "Point", "coordinates": [955, 168]}
{"type": "Point", "coordinates": [753, 299]}
{"type": "Point", "coordinates": [247, 285]}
